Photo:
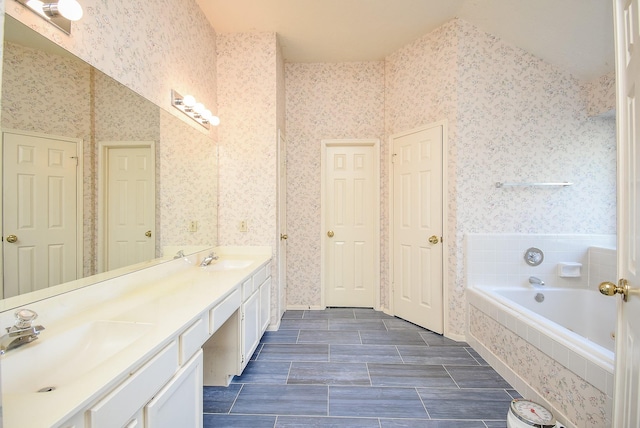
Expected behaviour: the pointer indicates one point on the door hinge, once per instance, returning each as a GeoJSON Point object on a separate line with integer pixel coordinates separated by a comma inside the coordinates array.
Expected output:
{"type": "Point", "coordinates": [393, 157]}
{"type": "Point", "coordinates": [76, 158]}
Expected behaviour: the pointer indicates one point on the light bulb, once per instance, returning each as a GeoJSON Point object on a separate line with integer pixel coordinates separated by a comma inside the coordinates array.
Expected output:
{"type": "Point", "coordinates": [188, 101]}
{"type": "Point", "coordinates": [198, 108]}
{"type": "Point", "coordinates": [70, 9]}
{"type": "Point", "coordinates": [37, 6]}
{"type": "Point", "coordinates": [215, 120]}
{"type": "Point", "coordinates": [206, 115]}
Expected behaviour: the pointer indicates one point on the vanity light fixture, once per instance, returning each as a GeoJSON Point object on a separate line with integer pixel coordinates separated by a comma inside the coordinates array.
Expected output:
{"type": "Point", "coordinates": [195, 110]}
{"type": "Point", "coordinates": [58, 12]}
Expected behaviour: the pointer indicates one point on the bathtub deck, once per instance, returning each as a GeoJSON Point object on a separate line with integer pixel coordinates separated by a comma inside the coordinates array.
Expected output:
{"type": "Point", "coordinates": [360, 368]}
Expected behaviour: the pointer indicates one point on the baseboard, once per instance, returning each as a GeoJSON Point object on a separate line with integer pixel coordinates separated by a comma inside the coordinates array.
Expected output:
{"type": "Point", "coordinates": [304, 308]}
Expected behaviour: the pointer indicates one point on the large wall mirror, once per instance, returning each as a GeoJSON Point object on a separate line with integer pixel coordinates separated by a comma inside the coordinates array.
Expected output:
{"type": "Point", "coordinates": [82, 174]}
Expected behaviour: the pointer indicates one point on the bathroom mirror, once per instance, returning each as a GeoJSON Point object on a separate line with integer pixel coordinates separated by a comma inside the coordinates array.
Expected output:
{"type": "Point", "coordinates": [47, 91]}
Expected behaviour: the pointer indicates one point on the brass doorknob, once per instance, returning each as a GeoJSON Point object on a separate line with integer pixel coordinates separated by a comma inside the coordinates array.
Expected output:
{"type": "Point", "coordinates": [147, 234]}
{"type": "Point", "coordinates": [283, 236]}
{"type": "Point", "coordinates": [330, 234]}
{"type": "Point", "coordinates": [12, 239]}
{"type": "Point", "coordinates": [610, 289]}
{"type": "Point", "coordinates": [433, 239]}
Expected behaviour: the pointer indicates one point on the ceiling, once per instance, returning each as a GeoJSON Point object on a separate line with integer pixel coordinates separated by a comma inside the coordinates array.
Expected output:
{"type": "Point", "coordinates": [576, 35]}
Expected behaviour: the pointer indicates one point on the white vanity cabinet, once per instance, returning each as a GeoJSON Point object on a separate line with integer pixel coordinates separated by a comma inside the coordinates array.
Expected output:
{"type": "Point", "coordinates": [120, 407]}
{"type": "Point", "coordinates": [265, 305]}
{"type": "Point", "coordinates": [250, 328]}
{"type": "Point", "coordinates": [179, 403]}
{"type": "Point", "coordinates": [256, 312]}
{"type": "Point", "coordinates": [157, 381]}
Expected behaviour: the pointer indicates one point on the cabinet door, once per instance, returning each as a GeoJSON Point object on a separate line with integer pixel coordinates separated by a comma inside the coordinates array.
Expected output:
{"type": "Point", "coordinates": [265, 305]}
{"type": "Point", "coordinates": [179, 403]}
{"type": "Point", "coordinates": [250, 327]}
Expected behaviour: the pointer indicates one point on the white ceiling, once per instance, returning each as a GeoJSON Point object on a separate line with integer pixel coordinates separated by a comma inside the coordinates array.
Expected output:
{"type": "Point", "coordinates": [576, 35]}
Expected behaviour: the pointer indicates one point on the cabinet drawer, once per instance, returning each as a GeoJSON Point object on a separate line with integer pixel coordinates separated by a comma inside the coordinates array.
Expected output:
{"type": "Point", "coordinates": [261, 275]}
{"type": "Point", "coordinates": [223, 310]}
{"type": "Point", "coordinates": [136, 421]}
{"type": "Point", "coordinates": [119, 406]}
{"type": "Point", "coordinates": [75, 422]}
{"type": "Point", "coordinates": [193, 338]}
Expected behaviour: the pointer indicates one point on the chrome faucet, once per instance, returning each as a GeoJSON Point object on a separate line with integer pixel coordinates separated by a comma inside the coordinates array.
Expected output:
{"type": "Point", "coordinates": [207, 260]}
{"type": "Point", "coordinates": [179, 255]}
{"type": "Point", "coordinates": [22, 332]}
{"type": "Point", "coordinates": [535, 281]}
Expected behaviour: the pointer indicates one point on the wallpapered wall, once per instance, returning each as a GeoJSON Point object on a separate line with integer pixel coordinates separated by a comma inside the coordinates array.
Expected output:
{"type": "Point", "coordinates": [324, 101]}
{"type": "Point", "coordinates": [251, 107]}
{"type": "Point", "coordinates": [137, 43]}
{"type": "Point", "coordinates": [511, 117]}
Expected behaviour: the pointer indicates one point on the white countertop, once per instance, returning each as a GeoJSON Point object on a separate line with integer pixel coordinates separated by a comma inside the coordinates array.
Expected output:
{"type": "Point", "coordinates": [168, 296]}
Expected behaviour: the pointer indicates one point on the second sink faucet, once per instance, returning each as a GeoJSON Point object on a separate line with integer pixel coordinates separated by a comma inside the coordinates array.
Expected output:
{"type": "Point", "coordinates": [207, 260]}
{"type": "Point", "coordinates": [22, 332]}
{"type": "Point", "coordinates": [535, 281]}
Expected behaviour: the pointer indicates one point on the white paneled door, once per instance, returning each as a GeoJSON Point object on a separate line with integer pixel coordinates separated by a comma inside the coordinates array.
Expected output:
{"type": "Point", "coordinates": [130, 206]}
{"type": "Point", "coordinates": [40, 209]}
{"type": "Point", "coordinates": [627, 370]}
{"type": "Point", "coordinates": [351, 220]}
{"type": "Point", "coordinates": [417, 227]}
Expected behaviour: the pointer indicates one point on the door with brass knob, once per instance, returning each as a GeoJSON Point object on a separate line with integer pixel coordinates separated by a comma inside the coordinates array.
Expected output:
{"type": "Point", "coordinates": [627, 382]}
{"type": "Point", "coordinates": [284, 236]}
{"type": "Point", "coordinates": [433, 239]}
{"type": "Point", "coordinates": [12, 239]}
{"type": "Point", "coordinates": [610, 289]}
{"type": "Point", "coordinates": [330, 234]}
{"type": "Point", "coordinates": [147, 234]}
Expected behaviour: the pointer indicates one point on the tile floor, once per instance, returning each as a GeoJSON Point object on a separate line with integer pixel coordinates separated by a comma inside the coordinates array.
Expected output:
{"type": "Point", "coordinates": [347, 367]}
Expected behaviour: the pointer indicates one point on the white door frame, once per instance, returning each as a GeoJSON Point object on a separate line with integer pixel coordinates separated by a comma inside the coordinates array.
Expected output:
{"type": "Point", "coordinates": [281, 252]}
{"type": "Point", "coordinates": [375, 143]}
{"type": "Point", "coordinates": [79, 199]}
{"type": "Point", "coordinates": [103, 157]}
{"type": "Point", "coordinates": [446, 240]}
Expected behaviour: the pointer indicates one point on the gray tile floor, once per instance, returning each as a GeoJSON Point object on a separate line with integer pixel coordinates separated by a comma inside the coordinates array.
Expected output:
{"type": "Point", "coordinates": [347, 367]}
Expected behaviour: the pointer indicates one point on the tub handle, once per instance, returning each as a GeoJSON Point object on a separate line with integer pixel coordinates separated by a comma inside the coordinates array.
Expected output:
{"type": "Point", "coordinates": [610, 289]}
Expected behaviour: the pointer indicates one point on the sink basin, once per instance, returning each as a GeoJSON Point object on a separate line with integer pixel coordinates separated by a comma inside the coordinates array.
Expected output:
{"type": "Point", "coordinates": [229, 264]}
{"type": "Point", "coordinates": [57, 360]}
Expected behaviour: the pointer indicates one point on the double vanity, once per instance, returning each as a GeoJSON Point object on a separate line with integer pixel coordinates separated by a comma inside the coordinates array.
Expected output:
{"type": "Point", "coordinates": [136, 350]}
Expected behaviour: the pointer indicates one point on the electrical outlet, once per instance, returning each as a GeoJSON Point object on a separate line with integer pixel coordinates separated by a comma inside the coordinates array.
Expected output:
{"type": "Point", "coordinates": [193, 226]}
{"type": "Point", "coordinates": [243, 226]}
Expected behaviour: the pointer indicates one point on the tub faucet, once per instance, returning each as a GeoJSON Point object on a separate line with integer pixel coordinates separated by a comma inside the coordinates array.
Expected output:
{"type": "Point", "coordinates": [179, 255]}
{"type": "Point", "coordinates": [535, 281]}
{"type": "Point", "coordinates": [207, 260]}
{"type": "Point", "coordinates": [22, 332]}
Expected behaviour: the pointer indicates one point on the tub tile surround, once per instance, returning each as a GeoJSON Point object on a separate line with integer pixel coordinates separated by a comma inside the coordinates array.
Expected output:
{"type": "Point", "coordinates": [579, 390]}
{"type": "Point", "coordinates": [497, 260]}
{"type": "Point", "coordinates": [169, 296]}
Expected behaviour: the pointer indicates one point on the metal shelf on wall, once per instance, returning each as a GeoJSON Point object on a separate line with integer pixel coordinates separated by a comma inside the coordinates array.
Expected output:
{"type": "Point", "coordinates": [501, 184]}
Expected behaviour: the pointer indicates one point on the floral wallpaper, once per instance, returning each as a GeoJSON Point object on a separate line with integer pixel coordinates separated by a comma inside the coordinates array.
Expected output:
{"type": "Point", "coordinates": [324, 101]}
{"type": "Point", "coordinates": [601, 96]}
{"type": "Point", "coordinates": [141, 45]}
{"type": "Point", "coordinates": [186, 185]}
{"type": "Point", "coordinates": [251, 110]}
{"type": "Point", "coordinates": [510, 117]}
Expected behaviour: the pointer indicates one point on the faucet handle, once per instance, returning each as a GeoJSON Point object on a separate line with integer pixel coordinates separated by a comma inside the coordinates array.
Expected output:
{"type": "Point", "coordinates": [24, 318]}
